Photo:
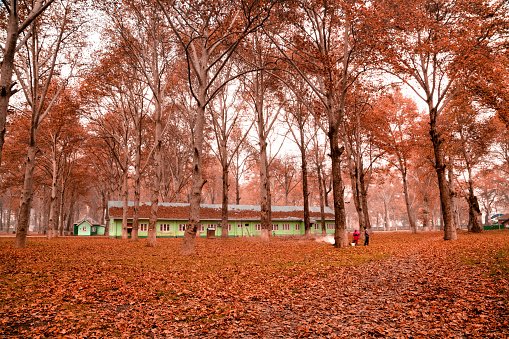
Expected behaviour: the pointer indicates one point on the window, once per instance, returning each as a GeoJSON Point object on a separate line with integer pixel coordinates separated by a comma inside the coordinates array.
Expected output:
{"type": "Point", "coordinates": [239, 225]}
{"type": "Point", "coordinates": [275, 227]}
{"type": "Point", "coordinates": [317, 226]}
{"type": "Point", "coordinates": [229, 227]}
{"type": "Point", "coordinates": [211, 226]}
{"type": "Point", "coordinates": [144, 227]}
{"type": "Point", "coordinates": [297, 227]}
{"type": "Point", "coordinates": [182, 227]}
{"type": "Point", "coordinates": [201, 228]}
{"type": "Point", "coordinates": [164, 227]}
{"type": "Point", "coordinates": [330, 226]}
{"type": "Point", "coordinates": [286, 227]}
{"type": "Point", "coordinates": [93, 229]}
{"type": "Point", "coordinates": [84, 228]}
{"type": "Point", "coordinates": [258, 227]}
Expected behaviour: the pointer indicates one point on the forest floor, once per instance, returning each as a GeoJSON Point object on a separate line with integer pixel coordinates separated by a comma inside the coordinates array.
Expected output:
{"type": "Point", "coordinates": [402, 285]}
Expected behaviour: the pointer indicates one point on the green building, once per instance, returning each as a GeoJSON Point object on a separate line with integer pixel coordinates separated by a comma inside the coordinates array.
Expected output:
{"type": "Point", "coordinates": [88, 227]}
{"type": "Point", "coordinates": [244, 220]}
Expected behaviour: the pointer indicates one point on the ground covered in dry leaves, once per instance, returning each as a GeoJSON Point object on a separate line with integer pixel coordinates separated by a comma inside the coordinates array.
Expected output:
{"type": "Point", "coordinates": [402, 285]}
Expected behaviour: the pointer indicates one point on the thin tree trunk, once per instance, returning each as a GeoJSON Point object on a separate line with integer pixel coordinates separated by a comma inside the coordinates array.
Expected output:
{"type": "Point", "coordinates": [224, 200]}
{"type": "Point", "coordinates": [305, 189]}
{"type": "Point", "coordinates": [61, 202]}
{"type": "Point", "coordinates": [137, 185]}
{"type": "Point", "coordinates": [125, 203]}
{"type": "Point", "coordinates": [410, 216]}
{"type": "Point", "coordinates": [320, 191]}
{"type": "Point", "coordinates": [52, 227]}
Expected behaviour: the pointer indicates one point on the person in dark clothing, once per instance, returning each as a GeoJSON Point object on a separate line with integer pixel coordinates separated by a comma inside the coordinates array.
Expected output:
{"type": "Point", "coordinates": [366, 237]}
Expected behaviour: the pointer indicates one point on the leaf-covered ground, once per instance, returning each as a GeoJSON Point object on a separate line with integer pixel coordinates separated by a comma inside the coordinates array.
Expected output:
{"type": "Point", "coordinates": [402, 285]}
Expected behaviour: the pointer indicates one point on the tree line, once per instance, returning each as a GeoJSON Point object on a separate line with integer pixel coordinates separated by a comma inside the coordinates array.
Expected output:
{"type": "Point", "coordinates": [148, 100]}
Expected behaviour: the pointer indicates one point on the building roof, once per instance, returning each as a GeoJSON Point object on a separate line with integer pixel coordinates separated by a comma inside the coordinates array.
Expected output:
{"type": "Point", "coordinates": [91, 221]}
{"type": "Point", "coordinates": [180, 211]}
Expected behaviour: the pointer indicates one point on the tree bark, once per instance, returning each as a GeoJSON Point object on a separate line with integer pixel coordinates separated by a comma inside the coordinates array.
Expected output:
{"type": "Point", "coordinates": [188, 246]}
{"type": "Point", "coordinates": [224, 201]}
{"type": "Point", "coordinates": [125, 202]}
{"type": "Point", "coordinates": [52, 227]}
{"type": "Point", "coordinates": [443, 186]}
{"type": "Point", "coordinates": [340, 236]}
{"type": "Point", "coordinates": [410, 216]}
{"type": "Point", "coordinates": [27, 195]}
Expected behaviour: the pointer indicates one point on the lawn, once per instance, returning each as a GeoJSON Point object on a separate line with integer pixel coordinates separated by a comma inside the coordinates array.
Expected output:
{"type": "Point", "coordinates": [402, 285]}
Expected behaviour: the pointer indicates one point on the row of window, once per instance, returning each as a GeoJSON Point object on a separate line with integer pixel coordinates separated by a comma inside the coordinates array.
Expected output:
{"type": "Point", "coordinates": [182, 227]}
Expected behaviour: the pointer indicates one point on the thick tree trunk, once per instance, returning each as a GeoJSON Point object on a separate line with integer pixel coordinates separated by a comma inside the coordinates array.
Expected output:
{"type": "Point", "coordinates": [52, 227]}
{"type": "Point", "coordinates": [26, 198]}
{"type": "Point", "coordinates": [188, 245]}
{"type": "Point", "coordinates": [340, 236]}
{"type": "Point", "coordinates": [474, 212]}
{"type": "Point", "coordinates": [443, 186]}
{"type": "Point", "coordinates": [7, 67]}
{"type": "Point", "coordinates": [156, 182]}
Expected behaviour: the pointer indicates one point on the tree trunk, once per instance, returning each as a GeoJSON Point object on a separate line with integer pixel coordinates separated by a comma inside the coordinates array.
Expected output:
{"type": "Point", "coordinates": [305, 189]}
{"type": "Point", "coordinates": [106, 217]}
{"type": "Point", "coordinates": [52, 226]}
{"type": "Point", "coordinates": [125, 203]}
{"type": "Point", "coordinates": [340, 236]}
{"type": "Point", "coordinates": [7, 67]}
{"type": "Point", "coordinates": [320, 191]}
{"type": "Point", "coordinates": [443, 186]}
{"type": "Point", "coordinates": [26, 198]}
{"type": "Point", "coordinates": [386, 216]}
{"type": "Point", "coordinates": [410, 216]}
{"type": "Point", "coordinates": [137, 184]}
{"type": "Point", "coordinates": [265, 203]}
{"type": "Point", "coordinates": [474, 212]}
{"type": "Point", "coordinates": [156, 183]}
{"type": "Point", "coordinates": [188, 245]}
{"type": "Point", "coordinates": [224, 200]}
{"type": "Point", "coordinates": [61, 202]}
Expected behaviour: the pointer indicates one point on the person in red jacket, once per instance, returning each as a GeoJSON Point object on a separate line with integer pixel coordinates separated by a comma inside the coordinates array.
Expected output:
{"type": "Point", "coordinates": [356, 236]}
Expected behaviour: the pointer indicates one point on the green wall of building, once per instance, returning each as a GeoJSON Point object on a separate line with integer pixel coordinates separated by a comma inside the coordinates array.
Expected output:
{"type": "Point", "coordinates": [237, 228]}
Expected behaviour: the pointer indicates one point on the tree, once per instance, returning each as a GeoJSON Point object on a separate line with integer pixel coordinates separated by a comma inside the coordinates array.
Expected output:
{"type": "Point", "coordinates": [20, 17]}
{"type": "Point", "coordinates": [61, 134]}
{"type": "Point", "coordinates": [209, 34]}
{"type": "Point", "coordinates": [473, 137]}
{"type": "Point", "coordinates": [50, 38]}
{"type": "Point", "coordinates": [226, 115]}
{"type": "Point", "coordinates": [392, 124]}
{"type": "Point", "coordinates": [431, 46]}
{"type": "Point", "coordinates": [323, 46]}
